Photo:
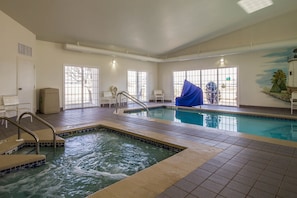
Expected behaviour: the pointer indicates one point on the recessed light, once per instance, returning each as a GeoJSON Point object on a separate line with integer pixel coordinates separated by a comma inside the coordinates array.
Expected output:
{"type": "Point", "coordinates": [251, 6]}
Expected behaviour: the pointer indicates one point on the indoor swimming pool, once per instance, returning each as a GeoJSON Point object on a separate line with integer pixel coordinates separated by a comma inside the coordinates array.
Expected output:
{"type": "Point", "coordinates": [278, 128]}
{"type": "Point", "coordinates": [88, 162]}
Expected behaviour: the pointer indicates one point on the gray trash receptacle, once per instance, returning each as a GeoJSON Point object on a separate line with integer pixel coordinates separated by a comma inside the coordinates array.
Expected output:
{"type": "Point", "coordinates": [49, 101]}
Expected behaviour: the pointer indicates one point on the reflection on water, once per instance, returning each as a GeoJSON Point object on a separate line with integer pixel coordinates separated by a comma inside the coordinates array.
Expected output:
{"type": "Point", "coordinates": [185, 117]}
{"type": "Point", "coordinates": [255, 125]}
{"type": "Point", "coordinates": [212, 121]}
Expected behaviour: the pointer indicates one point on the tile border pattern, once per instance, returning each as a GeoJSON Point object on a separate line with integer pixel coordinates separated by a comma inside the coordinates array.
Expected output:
{"type": "Point", "coordinates": [71, 133]}
{"type": "Point", "coordinates": [22, 167]}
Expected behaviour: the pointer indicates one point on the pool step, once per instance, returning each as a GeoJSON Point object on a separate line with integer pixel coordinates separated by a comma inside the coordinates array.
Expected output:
{"type": "Point", "coordinates": [25, 151]}
{"type": "Point", "coordinates": [45, 138]}
{"type": "Point", "coordinates": [16, 155]}
{"type": "Point", "coordinates": [12, 163]}
{"type": "Point", "coordinates": [11, 144]}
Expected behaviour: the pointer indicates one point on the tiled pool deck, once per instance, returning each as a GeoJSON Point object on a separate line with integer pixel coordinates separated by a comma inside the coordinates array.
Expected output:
{"type": "Point", "coordinates": [242, 166]}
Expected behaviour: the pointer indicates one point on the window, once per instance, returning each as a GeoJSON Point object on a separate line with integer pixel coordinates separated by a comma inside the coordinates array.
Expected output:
{"type": "Point", "coordinates": [227, 79]}
{"type": "Point", "coordinates": [219, 86]}
{"type": "Point", "coordinates": [178, 82]}
{"type": "Point", "coordinates": [137, 85]}
{"type": "Point", "coordinates": [209, 86]}
{"type": "Point", "coordinates": [80, 87]}
{"type": "Point", "coordinates": [194, 77]}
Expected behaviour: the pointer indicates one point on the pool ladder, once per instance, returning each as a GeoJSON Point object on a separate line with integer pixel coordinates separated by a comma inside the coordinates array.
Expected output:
{"type": "Point", "coordinates": [25, 130]}
{"type": "Point", "coordinates": [124, 93]}
{"type": "Point", "coordinates": [42, 121]}
{"type": "Point", "coordinates": [32, 133]}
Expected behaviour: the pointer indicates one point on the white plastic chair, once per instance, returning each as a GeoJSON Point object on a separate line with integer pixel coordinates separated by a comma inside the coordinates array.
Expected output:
{"type": "Point", "coordinates": [158, 94]}
{"type": "Point", "coordinates": [293, 100]}
{"type": "Point", "coordinates": [12, 104]}
{"type": "Point", "coordinates": [107, 97]}
{"type": "Point", "coordinates": [3, 113]}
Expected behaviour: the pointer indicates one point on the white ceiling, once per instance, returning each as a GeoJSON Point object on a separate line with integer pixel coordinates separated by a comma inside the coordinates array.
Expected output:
{"type": "Point", "coordinates": [146, 27]}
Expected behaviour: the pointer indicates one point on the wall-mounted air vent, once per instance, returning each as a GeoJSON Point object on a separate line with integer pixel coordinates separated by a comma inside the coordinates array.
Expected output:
{"type": "Point", "coordinates": [24, 50]}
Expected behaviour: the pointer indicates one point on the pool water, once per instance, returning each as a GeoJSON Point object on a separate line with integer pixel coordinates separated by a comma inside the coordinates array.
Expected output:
{"type": "Point", "coordinates": [255, 125]}
{"type": "Point", "coordinates": [87, 164]}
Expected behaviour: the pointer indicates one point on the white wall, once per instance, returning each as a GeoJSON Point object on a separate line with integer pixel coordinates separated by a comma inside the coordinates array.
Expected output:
{"type": "Point", "coordinates": [51, 57]}
{"type": "Point", "coordinates": [11, 34]}
{"type": "Point", "coordinates": [250, 67]}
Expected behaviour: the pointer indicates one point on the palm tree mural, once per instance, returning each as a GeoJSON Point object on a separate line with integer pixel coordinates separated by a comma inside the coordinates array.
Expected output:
{"type": "Point", "coordinates": [279, 81]}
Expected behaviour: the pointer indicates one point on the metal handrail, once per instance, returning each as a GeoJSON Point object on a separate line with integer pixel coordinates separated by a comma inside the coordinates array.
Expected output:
{"type": "Point", "coordinates": [26, 130]}
{"type": "Point", "coordinates": [124, 93]}
{"type": "Point", "coordinates": [42, 121]}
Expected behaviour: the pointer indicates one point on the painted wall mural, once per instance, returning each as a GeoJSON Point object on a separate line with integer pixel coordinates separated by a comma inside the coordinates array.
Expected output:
{"type": "Point", "coordinates": [278, 80]}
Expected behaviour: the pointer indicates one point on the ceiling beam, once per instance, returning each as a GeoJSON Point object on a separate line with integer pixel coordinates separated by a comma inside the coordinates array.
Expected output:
{"type": "Point", "coordinates": [203, 55]}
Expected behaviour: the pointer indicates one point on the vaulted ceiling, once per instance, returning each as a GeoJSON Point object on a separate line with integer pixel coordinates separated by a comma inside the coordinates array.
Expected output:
{"type": "Point", "coordinates": [145, 27]}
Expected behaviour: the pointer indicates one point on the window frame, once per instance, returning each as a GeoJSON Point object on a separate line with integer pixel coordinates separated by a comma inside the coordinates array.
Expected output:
{"type": "Point", "coordinates": [201, 77]}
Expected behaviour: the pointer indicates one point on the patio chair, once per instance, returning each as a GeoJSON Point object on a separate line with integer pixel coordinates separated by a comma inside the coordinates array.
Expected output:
{"type": "Point", "coordinates": [3, 113]}
{"type": "Point", "coordinates": [12, 104]}
{"type": "Point", "coordinates": [108, 98]}
{"type": "Point", "coordinates": [158, 94]}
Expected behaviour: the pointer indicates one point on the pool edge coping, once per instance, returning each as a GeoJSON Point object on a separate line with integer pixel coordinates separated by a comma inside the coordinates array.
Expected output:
{"type": "Point", "coordinates": [213, 130]}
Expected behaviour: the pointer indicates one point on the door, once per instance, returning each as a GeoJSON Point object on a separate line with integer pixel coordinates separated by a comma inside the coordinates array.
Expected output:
{"type": "Point", "coordinates": [26, 81]}
{"type": "Point", "coordinates": [137, 85]}
{"type": "Point", "coordinates": [81, 85]}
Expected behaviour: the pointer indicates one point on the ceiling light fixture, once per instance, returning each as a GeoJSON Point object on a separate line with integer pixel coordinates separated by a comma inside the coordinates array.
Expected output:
{"type": "Point", "coordinates": [222, 62]}
{"type": "Point", "coordinates": [251, 6]}
{"type": "Point", "coordinates": [113, 62]}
